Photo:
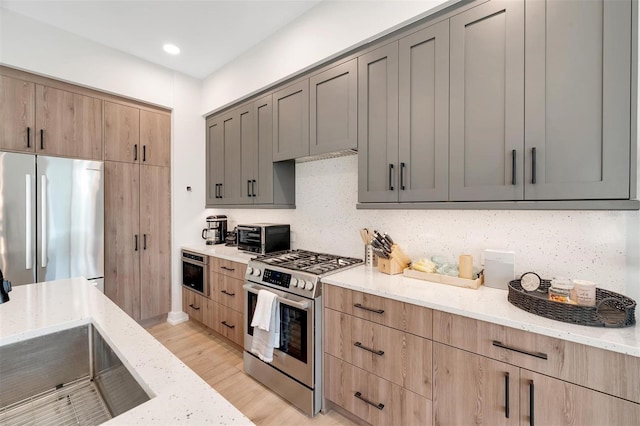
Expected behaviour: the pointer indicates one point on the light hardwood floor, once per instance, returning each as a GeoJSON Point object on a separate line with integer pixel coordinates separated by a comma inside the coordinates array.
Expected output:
{"type": "Point", "coordinates": [219, 363]}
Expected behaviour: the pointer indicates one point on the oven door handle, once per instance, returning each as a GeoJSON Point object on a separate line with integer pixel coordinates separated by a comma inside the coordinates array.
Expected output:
{"type": "Point", "coordinates": [304, 305]}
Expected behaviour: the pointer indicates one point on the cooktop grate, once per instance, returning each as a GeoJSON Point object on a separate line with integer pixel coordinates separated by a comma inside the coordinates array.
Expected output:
{"type": "Point", "coordinates": [76, 403]}
{"type": "Point", "coordinates": [307, 261]}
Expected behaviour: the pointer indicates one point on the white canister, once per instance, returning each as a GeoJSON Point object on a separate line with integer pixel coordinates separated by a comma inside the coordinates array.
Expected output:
{"type": "Point", "coordinates": [584, 292]}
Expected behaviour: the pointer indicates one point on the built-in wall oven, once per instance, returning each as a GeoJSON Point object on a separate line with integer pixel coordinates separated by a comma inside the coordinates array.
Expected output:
{"type": "Point", "coordinates": [194, 272]}
{"type": "Point", "coordinates": [295, 277]}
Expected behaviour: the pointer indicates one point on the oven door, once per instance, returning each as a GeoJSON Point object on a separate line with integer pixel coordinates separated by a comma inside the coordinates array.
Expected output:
{"type": "Point", "coordinates": [295, 354]}
{"type": "Point", "coordinates": [250, 238]}
{"type": "Point", "coordinates": [194, 276]}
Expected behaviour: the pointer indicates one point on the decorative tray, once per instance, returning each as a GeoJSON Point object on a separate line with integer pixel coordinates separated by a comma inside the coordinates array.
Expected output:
{"type": "Point", "coordinates": [611, 310]}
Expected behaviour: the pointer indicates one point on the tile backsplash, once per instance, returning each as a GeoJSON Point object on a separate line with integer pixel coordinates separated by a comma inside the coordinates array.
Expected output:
{"type": "Point", "coordinates": [600, 246]}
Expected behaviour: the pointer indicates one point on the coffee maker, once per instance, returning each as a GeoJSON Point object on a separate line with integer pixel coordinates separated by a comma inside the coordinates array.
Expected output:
{"type": "Point", "coordinates": [216, 230]}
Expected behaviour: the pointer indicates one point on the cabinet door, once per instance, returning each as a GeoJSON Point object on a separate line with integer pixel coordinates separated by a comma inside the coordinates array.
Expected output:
{"type": "Point", "coordinates": [424, 115]}
{"type": "Point", "coordinates": [17, 115]}
{"type": "Point", "coordinates": [291, 122]}
{"type": "Point", "coordinates": [262, 188]}
{"type": "Point", "coordinates": [194, 305]}
{"type": "Point", "coordinates": [155, 241]}
{"type": "Point", "coordinates": [215, 160]}
{"type": "Point", "coordinates": [230, 191]}
{"type": "Point", "coordinates": [231, 324]}
{"type": "Point", "coordinates": [334, 109]}
{"type": "Point", "coordinates": [121, 133]}
{"type": "Point", "coordinates": [122, 236]}
{"type": "Point", "coordinates": [487, 102]}
{"type": "Point", "coordinates": [472, 389]}
{"type": "Point", "coordinates": [68, 124]}
{"type": "Point", "coordinates": [155, 138]}
{"type": "Point", "coordinates": [577, 103]}
{"type": "Point", "coordinates": [378, 125]}
{"type": "Point", "coordinates": [239, 180]}
{"type": "Point", "coordinates": [548, 401]}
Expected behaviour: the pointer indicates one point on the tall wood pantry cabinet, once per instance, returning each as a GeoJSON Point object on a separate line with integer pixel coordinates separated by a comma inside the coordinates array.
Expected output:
{"type": "Point", "coordinates": [137, 210]}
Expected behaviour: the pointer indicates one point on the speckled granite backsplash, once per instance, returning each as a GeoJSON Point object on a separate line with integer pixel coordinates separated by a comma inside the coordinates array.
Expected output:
{"type": "Point", "coordinates": [601, 246]}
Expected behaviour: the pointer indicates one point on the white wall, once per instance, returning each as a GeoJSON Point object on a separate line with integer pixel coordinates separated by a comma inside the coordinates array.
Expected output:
{"type": "Point", "coordinates": [42, 49]}
{"type": "Point", "coordinates": [602, 246]}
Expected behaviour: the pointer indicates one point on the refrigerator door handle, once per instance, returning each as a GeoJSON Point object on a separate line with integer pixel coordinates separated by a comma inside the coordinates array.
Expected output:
{"type": "Point", "coordinates": [28, 249]}
{"type": "Point", "coordinates": [43, 212]}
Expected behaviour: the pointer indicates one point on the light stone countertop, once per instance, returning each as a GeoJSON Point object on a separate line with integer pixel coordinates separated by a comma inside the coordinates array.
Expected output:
{"type": "Point", "coordinates": [485, 304]}
{"type": "Point", "coordinates": [178, 395]}
{"type": "Point", "coordinates": [221, 251]}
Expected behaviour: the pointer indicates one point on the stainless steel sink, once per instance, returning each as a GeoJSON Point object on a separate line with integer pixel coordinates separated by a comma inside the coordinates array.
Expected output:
{"type": "Point", "coordinates": [68, 377]}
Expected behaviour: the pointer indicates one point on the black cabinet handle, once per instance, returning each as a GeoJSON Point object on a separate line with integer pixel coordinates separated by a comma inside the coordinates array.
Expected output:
{"type": "Point", "coordinates": [135, 152]}
{"type": "Point", "coordinates": [28, 137]}
{"type": "Point", "coordinates": [228, 269]}
{"type": "Point", "coordinates": [533, 165]}
{"type": "Point", "coordinates": [220, 191]}
{"type": "Point", "coordinates": [358, 395]}
{"type": "Point", "coordinates": [402, 166]}
{"type": "Point", "coordinates": [377, 311]}
{"type": "Point", "coordinates": [144, 153]}
{"type": "Point", "coordinates": [522, 351]}
{"type": "Point", "coordinates": [228, 325]}
{"type": "Point", "coordinates": [144, 241]}
{"type": "Point", "coordinates": [136, 243]}
{"type": "Point", "coordinates": [248, 187]}
{"type": "Point", "coordinates": [191, 305]}
{"type": "Point", "coordinates": [41, 138]}
{"type": "Point", "coordinates": [218, 185]}
{"type": "Point", "coordinates": [506, 395]}
{"type": "Point", "coordinates": [227, 293]}
{"type": "Point", "coordinates": [253, 188]}
{"type": "Point", "coordinates": [513, 167]}
{"type": "Point", "coordinates": [531, 410]}
{"type": "Point", "coordinates": [390, 177]}
{"type": "Point", "coordinates": [359, 345]}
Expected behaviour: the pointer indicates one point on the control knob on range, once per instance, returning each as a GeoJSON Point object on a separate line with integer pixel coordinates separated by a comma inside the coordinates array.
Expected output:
{"type": "Point", "coordinates": [257, 272]}
{"type": "Point", "coordinates": [308, 286]}
{"type": "Point", "coordinates": [294, 282]}
{"type": "Point", "coordinates": [249, 270]}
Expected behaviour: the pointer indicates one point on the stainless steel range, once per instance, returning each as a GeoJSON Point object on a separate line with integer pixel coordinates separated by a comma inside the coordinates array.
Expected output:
{"type": "Point", "coordinates": [295, 276]}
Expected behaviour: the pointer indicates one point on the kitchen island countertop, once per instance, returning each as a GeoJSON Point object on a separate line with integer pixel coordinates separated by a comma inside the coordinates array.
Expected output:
{"type": "Point", "coordinates": [485, 304]}
{"type": "Point", "coordinates": [178, 395]}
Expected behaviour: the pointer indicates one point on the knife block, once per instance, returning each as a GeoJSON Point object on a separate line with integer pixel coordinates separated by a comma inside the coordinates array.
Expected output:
{"type": "Point", "coordinates": [390, 266]}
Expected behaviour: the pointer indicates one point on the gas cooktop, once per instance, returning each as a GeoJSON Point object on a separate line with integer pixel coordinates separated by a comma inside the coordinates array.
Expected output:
{"type": "Point", "coordinates": [307, 261]}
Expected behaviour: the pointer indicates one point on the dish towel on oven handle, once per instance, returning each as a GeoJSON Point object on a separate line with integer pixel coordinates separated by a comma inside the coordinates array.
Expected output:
{"type": "Point", "coordinates": [266, 325]}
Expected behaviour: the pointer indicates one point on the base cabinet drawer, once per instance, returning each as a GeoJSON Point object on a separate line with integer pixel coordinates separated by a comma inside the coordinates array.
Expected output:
{"type": "Point", "coordinates": [227, 291]}
{"type": "Point", "coordinates": [230, 323]}
{"type": "Point", "coordinates": [194, 304]}
{"type": "Point", "coordinates": [371, 398]}
{"type": "Point", "coordinates": [402, 358]}
{"type": "Point", "coordinates": [227, 267]}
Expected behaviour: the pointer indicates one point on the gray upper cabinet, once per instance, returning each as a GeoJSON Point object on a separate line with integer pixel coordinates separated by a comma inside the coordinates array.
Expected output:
{"type": "Point", "coordinates": [487, 102]}
{"type": "Point", "coordinates": [424, 115]}
{"type": "Point", "coordinates": [333, 109]}
{"type": "Point", "coordinates": [291, 121]}
{"type": "Point", "coordinates": [578, 97]}
{"type": "Point", "coordinates": [223, 156]}
{"type": "Point", "coordinates": [214, 160]}
{"type": "Point", "coordinates": [378, 124]}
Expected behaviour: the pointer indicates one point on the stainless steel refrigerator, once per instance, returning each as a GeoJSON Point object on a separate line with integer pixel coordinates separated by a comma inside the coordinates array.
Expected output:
{"type": "Point", "coordinates": [51, 218]}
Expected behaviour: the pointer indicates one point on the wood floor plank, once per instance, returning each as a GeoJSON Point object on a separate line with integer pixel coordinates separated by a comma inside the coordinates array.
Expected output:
{"type": "Point", "coordinates": [219, 363]}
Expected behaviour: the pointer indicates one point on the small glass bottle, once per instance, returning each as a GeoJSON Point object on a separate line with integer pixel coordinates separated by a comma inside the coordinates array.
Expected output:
{"type": "Point", "coordinates": [560, 290]}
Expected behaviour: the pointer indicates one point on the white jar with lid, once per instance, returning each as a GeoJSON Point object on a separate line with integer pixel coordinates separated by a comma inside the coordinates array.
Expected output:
{"type": "Point", "coordinates": [584, 292]}
{"type": "Point", "coordinates": [560, 290]}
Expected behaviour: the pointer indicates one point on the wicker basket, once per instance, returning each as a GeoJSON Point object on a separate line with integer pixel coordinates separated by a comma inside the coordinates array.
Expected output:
{"type": "Point", "coordinates": [611, 310]}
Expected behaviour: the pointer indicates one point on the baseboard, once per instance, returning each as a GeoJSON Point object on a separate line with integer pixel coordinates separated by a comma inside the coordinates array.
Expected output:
{"type": "Point", "coordinates": [176, 317]}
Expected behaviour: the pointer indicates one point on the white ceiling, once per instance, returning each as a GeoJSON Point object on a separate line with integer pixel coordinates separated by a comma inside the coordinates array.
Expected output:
{"type": "Point", "coordinates": [209, 33]}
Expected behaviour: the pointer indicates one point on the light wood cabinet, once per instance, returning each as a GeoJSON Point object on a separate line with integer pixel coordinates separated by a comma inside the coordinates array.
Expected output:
{"type": "Point", "coordinates": [378, 372]}
{"type": "Point", "coordinates": [138, 238]}
{"type": "Point", "coordinates": [195, 305]}
{"type": "Point", "coordinates": [333, 109]}
{"type": "Point", "coordinates": [155, 138]}
{"type": "Point", "coordinates": [291, 121]}
{"type": "Point", "coordinates": [121, 133]}
{"type": "Point", "coordinates": [68, 124]}
{"type": "Point", "coordinates": [17, 115]}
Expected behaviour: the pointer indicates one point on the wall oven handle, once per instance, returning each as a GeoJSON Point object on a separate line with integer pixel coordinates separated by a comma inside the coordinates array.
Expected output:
{"type": "Point", "coordinates": [300, 305]}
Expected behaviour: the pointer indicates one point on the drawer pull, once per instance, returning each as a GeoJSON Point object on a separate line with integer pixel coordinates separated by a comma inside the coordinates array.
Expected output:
{"type": "Point", "coordinates": [506, 395]}
{"type": "Point", "coordinates": [377, 311]}
{"type": "Point", "coordinates": [522, 351]}
{"type": "Point", "coordinates": [228, 325]}
{"type": "Point", "coordinates": [227, 293]}
{"type": "Point", "coordinates": [227, 269]}
{"type": "Point", "coordinates": [360, 397]}
{"type": "Point", "coordinates": [191, 305]}
{"type": "Point", "coordinates": [359, 345]}
{"type": "Point", "coordinates": [531, 403]}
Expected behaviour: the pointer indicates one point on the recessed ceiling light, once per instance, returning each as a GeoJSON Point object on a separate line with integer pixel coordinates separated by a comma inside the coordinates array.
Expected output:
{"type": "Point", "coordinates": [171, 49]}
